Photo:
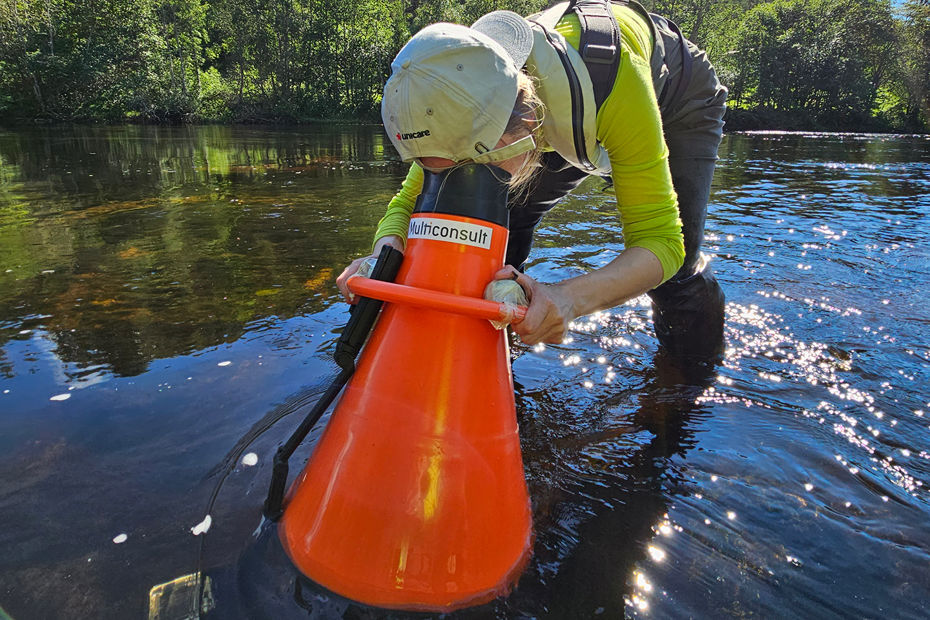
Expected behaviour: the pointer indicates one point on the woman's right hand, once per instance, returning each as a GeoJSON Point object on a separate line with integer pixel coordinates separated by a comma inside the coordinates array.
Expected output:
{"type": "Point", "coordinates": [393, 240]}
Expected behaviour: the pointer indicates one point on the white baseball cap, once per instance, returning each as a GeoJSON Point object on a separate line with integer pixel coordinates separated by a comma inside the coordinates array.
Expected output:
{"type": "Point", "coordinates": [453, 88]}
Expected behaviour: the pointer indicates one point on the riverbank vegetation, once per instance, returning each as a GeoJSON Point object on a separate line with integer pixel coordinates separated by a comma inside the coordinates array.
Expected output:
{"type": "Point", "coordinates": [789, 64]}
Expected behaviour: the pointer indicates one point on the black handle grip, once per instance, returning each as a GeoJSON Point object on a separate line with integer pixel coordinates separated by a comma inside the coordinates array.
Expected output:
{"type": "Point", "coordinates": [366, 310]}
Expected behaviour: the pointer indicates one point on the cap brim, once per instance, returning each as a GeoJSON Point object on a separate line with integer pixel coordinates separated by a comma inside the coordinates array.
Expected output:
{"type": "Point", "coordinates": [510, 31]}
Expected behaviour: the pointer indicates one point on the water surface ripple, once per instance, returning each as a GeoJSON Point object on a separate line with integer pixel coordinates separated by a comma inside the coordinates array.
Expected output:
{"type": "Point", "coordinates": [165, 290]}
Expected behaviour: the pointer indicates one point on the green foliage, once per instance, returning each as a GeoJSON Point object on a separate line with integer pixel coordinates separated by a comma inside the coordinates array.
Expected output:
{"type": "Point", "coordinates": [826, 59]}
{"type": "Point", "coordinates": [827, 63]}
{"type": "Point", "coordinates": [908, 101]}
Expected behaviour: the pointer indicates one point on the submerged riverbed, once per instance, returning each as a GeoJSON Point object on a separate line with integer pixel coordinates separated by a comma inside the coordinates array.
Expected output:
{"type": "Point", "coordinates": [167, 290]}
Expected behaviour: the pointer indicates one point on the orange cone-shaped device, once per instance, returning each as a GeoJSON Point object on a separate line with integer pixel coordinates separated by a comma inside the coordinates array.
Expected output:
{"type": "Point", "coordinates": [415, 497]}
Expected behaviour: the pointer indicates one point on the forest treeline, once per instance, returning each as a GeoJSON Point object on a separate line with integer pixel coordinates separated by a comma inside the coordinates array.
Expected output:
{"type": "Point", "coordinates": [789, 64]}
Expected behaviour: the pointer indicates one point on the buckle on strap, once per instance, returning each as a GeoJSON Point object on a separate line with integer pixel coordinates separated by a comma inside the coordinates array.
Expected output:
{"type": "Point", "coordinates": [600, 54]}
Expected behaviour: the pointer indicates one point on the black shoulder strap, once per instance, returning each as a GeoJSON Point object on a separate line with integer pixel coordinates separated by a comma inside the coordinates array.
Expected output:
{"type": "Point", "coordinates": [599, 45]}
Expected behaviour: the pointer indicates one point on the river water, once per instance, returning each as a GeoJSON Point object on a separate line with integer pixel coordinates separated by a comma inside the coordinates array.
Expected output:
{"type": "Point", "coordinates": [165, 291]}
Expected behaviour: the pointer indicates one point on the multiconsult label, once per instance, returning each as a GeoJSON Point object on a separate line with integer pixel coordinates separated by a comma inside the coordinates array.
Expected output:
{"type": "Point", "coordinates": [450, 230]}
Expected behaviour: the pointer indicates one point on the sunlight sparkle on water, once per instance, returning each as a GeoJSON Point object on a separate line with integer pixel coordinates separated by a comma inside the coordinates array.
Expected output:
{"type": "Point", "coordinates": [756, 335]}
{"type": "Point", "coordinates": [639, 602]}
{"type": "Point", "coordinates": [641, 582]}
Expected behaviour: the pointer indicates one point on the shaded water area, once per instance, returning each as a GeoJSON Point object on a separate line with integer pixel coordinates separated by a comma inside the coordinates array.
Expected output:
{"type": "Point", "coordinates": [167, 290]}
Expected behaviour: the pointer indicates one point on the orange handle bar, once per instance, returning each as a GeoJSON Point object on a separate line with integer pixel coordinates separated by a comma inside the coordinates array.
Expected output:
{"type": "Point", "coordinates": [436, 300]}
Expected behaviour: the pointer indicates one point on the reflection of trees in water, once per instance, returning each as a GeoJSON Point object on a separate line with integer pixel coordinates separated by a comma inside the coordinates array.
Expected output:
{"type": "Point", "coordinates": [130, 311]}
{"type": "Point", "coordinates": [6, 368]}
{"type": "Point", "coordinates": [134, 158]}
{"type": "Point", "coordinates": [162, 241]}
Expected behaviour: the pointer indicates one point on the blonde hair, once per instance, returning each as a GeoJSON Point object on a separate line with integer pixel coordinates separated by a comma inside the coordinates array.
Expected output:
{"type": "Point", "coordinates": [526, 118]}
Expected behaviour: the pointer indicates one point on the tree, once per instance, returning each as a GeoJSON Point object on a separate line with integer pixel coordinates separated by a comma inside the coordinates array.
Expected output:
{"type": "Point", "coordinates": [831, 63]}
{"type": "Point", "coordinates": [913, 70]}
{"type": "Point", "coordinates": [824, 58]}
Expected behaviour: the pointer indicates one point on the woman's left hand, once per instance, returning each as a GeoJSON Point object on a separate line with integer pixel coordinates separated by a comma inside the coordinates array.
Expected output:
{"type": "Point", "coordinates": [549, 312]}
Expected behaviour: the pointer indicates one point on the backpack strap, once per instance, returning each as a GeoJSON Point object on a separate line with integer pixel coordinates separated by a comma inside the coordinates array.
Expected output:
{"type": "Point", "coordinates": [599, 46]}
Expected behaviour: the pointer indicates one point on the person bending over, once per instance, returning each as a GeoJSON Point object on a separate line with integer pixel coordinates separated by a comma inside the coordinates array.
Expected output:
{"type": "Point", "coordinates": [640, 103]}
